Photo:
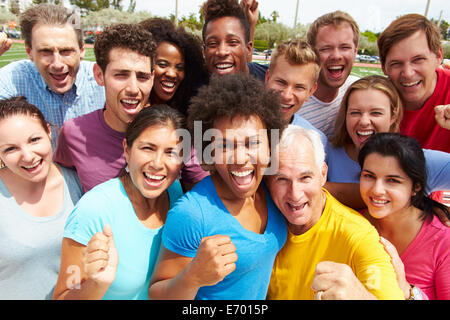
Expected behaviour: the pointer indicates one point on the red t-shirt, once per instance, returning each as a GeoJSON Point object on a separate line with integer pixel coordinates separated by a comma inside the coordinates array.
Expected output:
{"type": "Point", "coordinates": [421, 124]}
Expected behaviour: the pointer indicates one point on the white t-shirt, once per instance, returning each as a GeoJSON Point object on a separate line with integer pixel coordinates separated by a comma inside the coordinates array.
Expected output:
{"type": "Point", "coordinates": [322, 115]}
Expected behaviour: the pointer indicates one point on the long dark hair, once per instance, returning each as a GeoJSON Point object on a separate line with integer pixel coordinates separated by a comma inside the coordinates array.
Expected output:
{"type": "Point", "coordinates": [411, 158]}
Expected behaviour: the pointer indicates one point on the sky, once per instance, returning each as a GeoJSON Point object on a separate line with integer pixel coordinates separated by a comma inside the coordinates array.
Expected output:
{"type": "Point", "coordinates": [372, 15]}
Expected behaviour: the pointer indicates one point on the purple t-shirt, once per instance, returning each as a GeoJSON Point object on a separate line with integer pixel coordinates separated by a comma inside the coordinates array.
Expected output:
{"type": "Point", "coordinates": [93, 148]}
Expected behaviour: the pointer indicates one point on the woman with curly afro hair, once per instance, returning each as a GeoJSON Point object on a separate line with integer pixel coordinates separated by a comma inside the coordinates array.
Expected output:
{"type": "Point", "coordinates": [179, 72]}
{"type": "Point", "coordinates": [221, 238]}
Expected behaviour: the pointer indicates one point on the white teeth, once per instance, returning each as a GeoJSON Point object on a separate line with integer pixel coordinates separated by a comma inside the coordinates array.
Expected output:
{"type": "Point", "coordinates": [33, 165]}
{"type": "Point", "coordinates": [365, 133]}
{"type": "Point", "coordinates": [150, 176]}
{"type": "Point", "coordinates": [130, 101]}
{"type": "Point", "coordinates": [224, 66]}
{"type": "Point", "coordinates": [380, 201]}
{"type": "Point", "coordinates": [410, 84]}
{"type": "Point", "coordinates": [336, 68]}
{"type": "Point", "coordinates": [286, 106]}
{"type": "Point", "coordinates": [241, 173]}
{"type": "Point", "coordinates": [168, 84]}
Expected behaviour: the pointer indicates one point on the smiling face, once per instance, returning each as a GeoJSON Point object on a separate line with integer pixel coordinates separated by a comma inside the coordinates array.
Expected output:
{"type": "Point", "coordinates": [225, 48]}
{"type": "Point", "coordinates": [25, 147]}
{"type": "Point", "coordinates": [411, 66]}
{"type": "Point", "coordinates": [295, 83]}
{"type": "Point", "coordinates": [154, 160]}
{"type": "Point", "coordinates": [241, 155]}
{"type": "Point", "coordinates": [128, 81]}
{"type": "Point", "coordinates": [368, 112]}
{"type": "Point", "coordinates": [296, 188]}
{"type": "Point", "coordinates": [56, 54]}
{"type": "Point", "coordinates": [385, 188]}
{"type": "Point", "coordinates": [337, 51]}
{"type": "Point", "coordinates": [169, 71]}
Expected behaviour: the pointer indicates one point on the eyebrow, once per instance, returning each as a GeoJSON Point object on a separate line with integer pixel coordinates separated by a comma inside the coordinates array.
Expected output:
{"type": "Point", "coordinates": [388, 176]}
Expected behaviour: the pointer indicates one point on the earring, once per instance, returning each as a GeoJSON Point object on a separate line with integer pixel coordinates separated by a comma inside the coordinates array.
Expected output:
{"type": "Point", "coordinates": [2, 165]}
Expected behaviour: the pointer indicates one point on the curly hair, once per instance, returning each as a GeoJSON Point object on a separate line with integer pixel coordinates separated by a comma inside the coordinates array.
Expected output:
{"type": "Point", "coordinates": [191, 49]}
{"type": "Point", "coordinates": [214, 9]}
{"type": "Point", "coordinates": [123, 35]}
{"type": "Point", "coordinates": [234, 95]}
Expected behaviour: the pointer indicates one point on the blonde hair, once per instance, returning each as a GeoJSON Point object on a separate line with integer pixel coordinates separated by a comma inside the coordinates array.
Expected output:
{"type": "Point", "coordinates": [296, 52]}
{"type": "Point", "coordinates": [335, 18]}
{"type": "Point", "coordinates": [383, 84]}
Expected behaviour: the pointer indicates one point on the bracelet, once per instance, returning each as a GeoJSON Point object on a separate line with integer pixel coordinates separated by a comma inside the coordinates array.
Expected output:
{"type": "Point", "coordinates": [415, 293]}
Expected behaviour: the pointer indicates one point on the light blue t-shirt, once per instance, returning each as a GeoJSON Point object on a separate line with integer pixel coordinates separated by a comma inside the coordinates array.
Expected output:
{"type": "Point", "coordinates": [30, 246]}
{"type": "Point", "coordinates": [201, 213]}
{"type": "Point", "coordinates": [341, 168]}
{"type": "Point", "coordinates": [303, 123]}
{"type": "Point", "coordinates": [137, 245]}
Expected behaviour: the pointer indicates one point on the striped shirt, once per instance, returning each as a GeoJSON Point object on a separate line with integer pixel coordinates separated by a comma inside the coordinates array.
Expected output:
{"type": "Point", "coordinates": [322, 115]}
{"type": "Point", "coordinates": [21, 78]}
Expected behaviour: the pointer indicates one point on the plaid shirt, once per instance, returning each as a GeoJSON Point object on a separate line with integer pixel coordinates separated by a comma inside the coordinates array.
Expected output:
{"type": "Point", "coordinates": [21, 78]}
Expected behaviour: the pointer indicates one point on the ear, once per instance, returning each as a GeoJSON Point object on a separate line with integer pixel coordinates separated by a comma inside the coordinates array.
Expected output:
{"type": "Point", "coordinates": [49, 131]}
{"type": "Point", "coordinates": [126, 150]}
{"type": "Point", "coordinates": [312, 90]}
{"type": "Point", "coordinates": [98, 75]}
{"type": "Point", "coordinates": [82, 53]}
{"type": "Point", "coordinates": [266, 78]}
{"type": "Point", "coordinates": [249, 51]}
{"type": "Point", "coordinates": [416, 188]}
{"type": "Point", "coordinates": [323, 173]}
{"type": "Point", "coordinates": [28, 51]}
{"type": "Point", "coordinates": [440, 56]}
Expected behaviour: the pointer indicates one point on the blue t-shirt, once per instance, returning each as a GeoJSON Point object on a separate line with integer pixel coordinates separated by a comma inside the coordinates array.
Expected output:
{"type": "Point", "coordinates": [299, 121]}
{"type": "Point", "coordinates": [341, 168]}
{"type": "Point", "coordinates": [137, 246]}
{"type": "Point", "coordinates": [201, 213]}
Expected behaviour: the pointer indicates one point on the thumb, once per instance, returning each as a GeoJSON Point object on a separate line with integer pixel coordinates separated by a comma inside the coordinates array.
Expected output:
{"type": "Point", "coordinates": [107, 231]}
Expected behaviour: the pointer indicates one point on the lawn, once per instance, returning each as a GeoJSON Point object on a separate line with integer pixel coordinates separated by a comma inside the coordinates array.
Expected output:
{"type": "Point", "coordinates": [17, 52]}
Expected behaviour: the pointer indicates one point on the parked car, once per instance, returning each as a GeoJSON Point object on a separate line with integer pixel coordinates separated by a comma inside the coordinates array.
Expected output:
{"type": "Point", "coordinates": [14, 34]}
{"type": "Point", "coordinates": [89, 39]}
{"type": "Point", "coordinates": [366, 58]}
{"type": "Point", "coordinates": [268, 52]}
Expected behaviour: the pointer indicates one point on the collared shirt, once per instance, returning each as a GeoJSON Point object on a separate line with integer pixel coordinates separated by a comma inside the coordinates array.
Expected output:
{"type": "Point", "coordinates": [21, 78]}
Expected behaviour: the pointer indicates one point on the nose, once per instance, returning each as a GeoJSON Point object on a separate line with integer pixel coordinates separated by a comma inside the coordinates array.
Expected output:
{"type": "Point", "coordinates": [286, 94]}
{"type": "Point", "coordinates": [378, 187]}
{"type": "Point", "coordinates": [132, 87]}
{"type": "Point", "coordinates": [336, 53]}
{"type": "Point", "coordinates": [27, 155]}
{"type": "Point", "coordinates": [57, 61]}
{"type": "Point", "coordinates": [157, 161]}
{"type": "Point", "coordinates": [365, 119]}
{"type": "Point", "coordinates": [171, 72]}
{"type": "Point", "coordinates": [295, 191]}
{"type": "Point", "coordinates": [241, 154]}
{"type": "Point", "coordinates": [222, 49]}
{"type": "Point", "coordinates": [407, 70]}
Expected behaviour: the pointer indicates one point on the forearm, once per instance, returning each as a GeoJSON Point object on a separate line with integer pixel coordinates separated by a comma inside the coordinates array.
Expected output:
{"type": "Point", "coordinates": [87, 290]}
{"type": "Point", "coordinates": [178, 288]}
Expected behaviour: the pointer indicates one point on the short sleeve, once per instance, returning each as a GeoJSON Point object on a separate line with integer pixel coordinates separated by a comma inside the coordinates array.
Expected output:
{"type": "Point", "coordinates": [183, 229]}
{"type": "Point", "coordinates": [86, 219]}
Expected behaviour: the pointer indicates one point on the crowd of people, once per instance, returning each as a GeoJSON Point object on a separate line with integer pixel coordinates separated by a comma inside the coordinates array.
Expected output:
{"type": "Point", "coordinates": [174, 167]}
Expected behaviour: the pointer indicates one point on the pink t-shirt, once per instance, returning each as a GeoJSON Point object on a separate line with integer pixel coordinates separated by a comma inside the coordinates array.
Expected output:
{"type": "Point", "coordinates": [427, 260]}
{"type": "Point", "coordinates": [92, 147]}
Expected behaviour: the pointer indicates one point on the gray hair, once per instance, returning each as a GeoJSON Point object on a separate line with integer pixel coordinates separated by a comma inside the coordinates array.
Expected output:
{"type": "Point", "coordinates": [289, 140]}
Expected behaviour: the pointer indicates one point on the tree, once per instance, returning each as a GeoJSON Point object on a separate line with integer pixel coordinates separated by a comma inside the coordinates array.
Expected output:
{"type": "Point", "coordinates": [275, 15]}
{"type": "Point", "coordinates": [272, 32]}
{"type": "Point", "coordinates": [96, 5]}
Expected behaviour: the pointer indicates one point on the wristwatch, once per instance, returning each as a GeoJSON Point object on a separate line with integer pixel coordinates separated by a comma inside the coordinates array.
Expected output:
{"type": "Point", "coordinates": [415, 293]}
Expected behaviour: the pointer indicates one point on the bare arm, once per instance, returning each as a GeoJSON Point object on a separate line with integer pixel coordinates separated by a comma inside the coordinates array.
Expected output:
{"type": "Point", "coordinates": [346, 193]}
{"type": "Point", "coordinates": [87, 272]}
{"type": "Point", "coordinates": [178, 277]}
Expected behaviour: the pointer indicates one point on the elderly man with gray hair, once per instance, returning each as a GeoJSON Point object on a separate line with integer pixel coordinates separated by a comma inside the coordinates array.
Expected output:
{"type": "Point", "coordinates": [332, 252]}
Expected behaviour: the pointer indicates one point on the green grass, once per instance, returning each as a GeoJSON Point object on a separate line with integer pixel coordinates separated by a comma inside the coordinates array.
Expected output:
{"type": "Point", "coordinates": [17, 52]}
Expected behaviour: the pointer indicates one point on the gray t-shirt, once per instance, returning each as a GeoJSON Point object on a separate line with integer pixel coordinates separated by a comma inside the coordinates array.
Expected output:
{"type": "Point", "coordinates": [30, 247]}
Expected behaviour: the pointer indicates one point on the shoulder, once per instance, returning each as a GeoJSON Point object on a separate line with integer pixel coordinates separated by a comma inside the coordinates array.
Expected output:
{"type": "Point", "coordinates": [348, 219]}
{"type": "Point", "coordinates": [175, 192]}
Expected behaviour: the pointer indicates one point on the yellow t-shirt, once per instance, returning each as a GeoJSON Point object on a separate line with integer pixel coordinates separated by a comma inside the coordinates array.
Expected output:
{"type": "Point", "coordinates": [341, 235]}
